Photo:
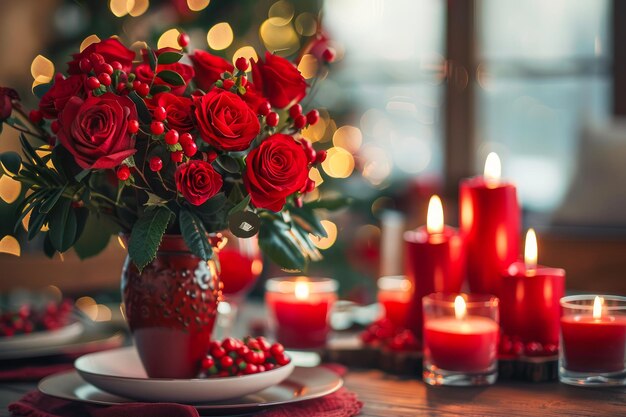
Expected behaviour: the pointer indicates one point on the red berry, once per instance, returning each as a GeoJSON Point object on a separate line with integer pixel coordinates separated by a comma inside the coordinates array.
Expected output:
{"type": "Point", "coordinates": [143, 90]}
{"type": "Point", "coordinates": [35, 116]}
{"type": "Point", "coordinates": [190, 149]}
{"type": "Point", "coordinates": [242, 351]}
{"type": "Point", "coordinates": [300, 121]}
{"type": "Point", "coordinates": [123, 173]}
{"type": "Point", "coordinates": [272, 119]}
{"type": "Point", "coordinates": [207, 362]}
{"type": "Point", "coordinates": [282, 359]}
{"type": "Point", "coordinates": [217, 352]}
{"type": "Point", "coordinates": [299, 202]}
{"type": "Point", "coordinates": [133, 126]}
{"type": "Point", "coordinates": [310, 154]}
{"type": "Point", "coordinates": [185, 138]}
{"type": "Point", "coordinates": [295, 111]}
{"type": "Point", "coordinates": [269, 366]}
{"type": "Point", "coordinates": [116, 65]}
{"type": "Point", "coordinates": [178, 158]}
{"type": "Point", "coordinates": [261, 368]}
{"type": "Point", "coordinates": [156, 163]}
{"type": "Point", "coordinates": [223, 374]}
{"type": "Point", "coordinates": [310, 186]}
{"type": "Point", "coordinates": [96, 59]}
{"type": "Point", "coordinates": [214, 344]}
{"type": "Point", "coordinates": [265, 345]}
{"type": "Point", "coordinates": [210, 156]}
{"type": "Point", "coordinates": [136, 84]}
{"type": "Point", "coordinates": [183, 39]}
{"type": "Point", "coordinates": [228, 84]}
{"type": "Point", "coordinates": [92, 83]}
{"type": "Point", "coordinates": [226, 361]}
{"type": "Point", "coordinates": [229, 344]}
{"type": "Point", "coordinates": [106, 68]}
{"type": "Point", "coordinates": [320, 156]}
{"type": "Point", "coordinates": [243, 81]}
{"type": "Point", "coordinates": [120, 87]}
{"type": "Point", "coordinates": [329, 55]}
{"type": "Point", "coordinates": [250, 369]}
{"type": "Point", "coordinates": [85, 65]}
{"type": "Point", "coordinates": [313, 117]}
{"type": "Point", "coordinates": [171, 137]}
{"type": "Point", "coordinates": [242, 64]}
{"type": "Point", "coordinates": [105, 79]}
{"type": "Point", "coordinates": [157, 128]}
{"type": "Point", "coordinates": [264, 109]}
{"type": "Point", "coordinates": [277, 349]}
{"type": "Point", "coordinates": [160, 113]}
{"type": "Point", "coordinates": [252, 343]}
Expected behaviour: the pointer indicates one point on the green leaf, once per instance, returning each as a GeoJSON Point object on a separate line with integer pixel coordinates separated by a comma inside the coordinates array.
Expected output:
{"type": "Point", "coordinates": [11, 161]}
{"type": "Point", "coordinates": [278, 243]}
{"type": "Point", "coordinates": [241, 206]}
{"type": "Point", "coordinates": [29, 151]}
{"type": "Point", "coordinates": [159, 88]}
{"type": "Point", "coordinates": [142, 110]}
{"type": "Point", "coordinates": [37, 219]}
{"type": "Point", "coordinates": [147, 233]}
{"type": "Point", "coordinates": [308, 220]}
{"type": "Point", "coordinates": [151, 59]}
{"type": "Point", "coordinates": [49, 202]}
{"type": "Point", "coordinates": [171, 77]}
{"type": "Point", "coordinates": [330, 204]}
{"type": "Point", "coordinates": [169, 57]}
{"type": "Point", "coordinates": [41, 89]}
{"type": "Point", "coordinates": [130, 161]}
{"type": "Point", "coordinates": [195, 235]}
{"type": "Point", "coordinates": [228, 163]}
{"type": "Point", "coordinates": [154, 200]}
{"type": "Point", "coordinates": [82, 174]}
{"type": "Point", "coordinates": [48, 249]}
{"type": "Point", "coordinates": [95, 237]}
{"type": "Point", "coordinates": [63, 225]}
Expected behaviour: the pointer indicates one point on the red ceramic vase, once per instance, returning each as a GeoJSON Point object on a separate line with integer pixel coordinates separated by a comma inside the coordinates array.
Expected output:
{"type": "Point", "coordinates": [171, 308]}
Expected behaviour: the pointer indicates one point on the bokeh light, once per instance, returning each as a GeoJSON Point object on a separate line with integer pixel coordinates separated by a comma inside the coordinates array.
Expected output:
{"type": "Point", "coordinates": [88, 41]}
{"type": "Point", "coordinates": [247, 52]}
{"type": "Point", "coordinates": [220, 36]}
{"type": "Point", "coordinates": [281, 39]}
{"type": "Point", "coordinates": [138, 7]}
{"type": "Point", "coordinates": [88, 306]}
{"type": "Point", "coordinates": [348, 137]}
{"type": "Point", "coordinates": [9, 189]}
{"type": "Point", "coordinates": [306, 24]}
{"type": "Point", "coordinates": [376, 164]}
{"type": "Point", "coordinates": [281, 13]}
{"type": "Point", "coordinates": [326, 242]}
{"type": "Point", "coordinates": [169, 39]}
{"type": "Point", "coordinates": [42, 69]}
{"type": "Point", "coordinates": [120, 7]}
{"type": "Point", "coordinates": [315, 175]}
{"type": "Point", "coordinates": [308, 66]}
{"type": "Point", "coordinates": [197, 5]}
{"type": "Point", "coordinates": [339, 163]}
{"type": "Point", "coordinates": [315, 133]}
{"type": "Point", "coordinates": [10, 245]}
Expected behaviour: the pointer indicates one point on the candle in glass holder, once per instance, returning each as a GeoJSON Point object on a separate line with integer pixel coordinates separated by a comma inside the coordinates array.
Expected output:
{"type": "Point", "coordinates": [530, 295]}
{"type": "Point", "coordinates": [394, 295]}
{"type": "Point", "coordinates": [593, 340]}
{"type": "Point", "coordinates": [300, 309]}
{"type": "Point", "coordinates": [434, 262]}
{"type": "Point", "coordinates": [490, 225]}
{"type": "Point", "coordinates": [460, 339]}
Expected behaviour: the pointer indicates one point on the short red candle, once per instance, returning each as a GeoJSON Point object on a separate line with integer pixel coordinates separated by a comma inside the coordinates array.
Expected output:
{"type": "Point", "coordinates": [300, 308]}
{"type": "Point", "coordinates": [394, 295]}
{"type": "Point", "coordinates": [434, 262]}
{"type": "Point", "coordinates": [529, 303]}
{"type": "Point", "coordinates": [490, 225]}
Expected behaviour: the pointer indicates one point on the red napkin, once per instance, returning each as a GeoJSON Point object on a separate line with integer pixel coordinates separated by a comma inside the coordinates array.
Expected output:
{"type": "Point", "coordinates": [33, 373]}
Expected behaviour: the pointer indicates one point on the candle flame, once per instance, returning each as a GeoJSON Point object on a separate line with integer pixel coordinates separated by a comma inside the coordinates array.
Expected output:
{"type": "Point", "coordinates": [530, 250]}
{"type": "Point", "coordinates": [301, 290]}
{"type": "Point", "coordinates": [493, 168]}
{"type": "Point", "coordinates": [597, 307]}
{"type": "Point", "coordinates": [434, 218]}
{"type": "Point", "coordinates": [460, 310]}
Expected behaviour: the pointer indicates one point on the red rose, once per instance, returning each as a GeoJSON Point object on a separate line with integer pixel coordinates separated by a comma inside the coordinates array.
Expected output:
{"type": "Point", "coordinates": [145, 74]}
{"type": "Point", "coordinates": [253, 98]}
{"type": "Point", "coordinates": [7, 95]}
{"type": "Point", "coordinates": [197, 181]}
{"type": "Point", "coordinates": [225, 121]}
{"type": "Point", "coordinates": [316, 46]}
{"type": "Point", "coordinates": [275, 170]}
{"type": "Point", "coordinates": [95, 130]}
{"type": "Point", "coordinates": [179, 110]}
{"type": "Point", "coordinates": [209, 68]}
{"type": "Point", "coordinates": [279, 80]}
{"type": "Point", "coordinates": [111, 50]}
{"type": "Point", "coordinates": [53, 102]}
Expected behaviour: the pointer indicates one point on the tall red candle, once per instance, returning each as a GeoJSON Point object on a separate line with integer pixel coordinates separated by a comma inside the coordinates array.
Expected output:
{"type": "Point", "coordinates": [530, 297]}
{"type": "Point", "coordinates": [434, 262]}
{"type": "Point", "coordinates": [490, 226]}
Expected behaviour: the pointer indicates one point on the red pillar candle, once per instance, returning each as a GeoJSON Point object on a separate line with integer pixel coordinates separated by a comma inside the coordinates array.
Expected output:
{"type": "Point", "coordinates": [394, 295]}
{"type": "Point", "coordinates": [460, 339]}
{"type": "Point", "coordinates": [490, 226]}
{"type": "Point", "coordinates": [530, 295]}
{"type": "Point", "coordinates": [300, 309]}
{"type": "Point", "coordinates": [434, 262]}
{"type": "Point", "coordinates": [593, 336]}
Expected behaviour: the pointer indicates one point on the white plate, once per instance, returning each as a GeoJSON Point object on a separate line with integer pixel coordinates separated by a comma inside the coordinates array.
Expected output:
{"type": "Point", "coordinates": [303, 384]}
{"type": "Point", "coordinates": [41, 338]}
{"type": "Point", "coordinates": [120, 372]}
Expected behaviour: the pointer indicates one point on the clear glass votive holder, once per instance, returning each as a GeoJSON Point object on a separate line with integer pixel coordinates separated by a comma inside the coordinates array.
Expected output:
{"type": "Point", "coordinates": [299, 309]}
{"type": "Point", "coordinates": [593, 340]}
{"type": "Point", "coordinates": [394, 295]}
{"type": "Point", "coordinates": [460, 334]}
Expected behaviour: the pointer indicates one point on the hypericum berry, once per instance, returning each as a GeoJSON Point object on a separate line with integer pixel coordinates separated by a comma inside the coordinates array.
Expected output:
{"type": "Point", "coordinates": [157, 128]}
{"type": "Point", "coordinates": [96, 59]}
{"type": "Point", "coordinates": [242, 64]}
{"type": "Point", "coordinates": [133, 126]}
{"type": "Point", "coordinates": [320, 156]}
{"type": "Point", "coordinates": [156, 163]}
{"type": "Point", "coordinates": [120, 87]}
{"type": "Point", "coordinates": [177, 157]}
{"type": "Point", "coordinates": [183, 39]}
{"type": "Point", "coordinates": [295, 111]}
{"type": "Point", "coordinates": [299, 202]}
{"type": "Point", "coordinates": [243, 80]}
{"type": "Point", "coordinates": [116, 65]}
{"type": "Point", "coordinates": [123, 173]}
{"type": "Point", "coordinates": [265, 345]}
{"type": "Point", "coordinates": [264, 109]}
{"type": "Point", "coordinates": [329, 54]}
{"type": "Point", "coordinates": [85, 65]}
{"type": "Point", "coordinates": [250, 369]}
{"type": "Point", "coordinates": [35, 116]}
{"type": "Point", "coordinates": [229, 344]}
{"type": "Point", "coordinates": [92, 83]}
{"type": "Point", "coordinates": [160, 113]}
{"type": "Point", "coordinates": [217, 352]}
{"type": "Point", "coordinates": [243, 351]}
{"type": "Point", "coordinates": [312, 117]}
{"type": "Point", "coordinates": [310, 185]}
{"type": "Point", "coordinates": [106, 68]}
{"type": "Point", "coordinates": [282, 359]}
{"type": "Point", "coordinates": [105, 79]}
{"type": "Point", "coordinates": [210, 156]}
{"type": "Point", "coordinates": [226, 361]}
{"type": "Point", "coordinates": [207, 362]}
{"type": "Point", "coordinates": [143, 89]}
{"type": "Point", "coordinates": [228, 84]}
{"type": "Point", "coordinates": [171, 137]}
{"type": "Point", "coordinates": [185, 138]}
{"type": "Point", "coordinates": [136, 84]}
{"type": "Point", "coordinates": [272, 119]}
{"type": "Point", "coordinates": [190, 149]}
{"type": "Point", "coordinates": [310, 154]}
{"type": "Point", "coordinates": [300, 121]}
{"type": "Point", "coordinates": [277, 349]}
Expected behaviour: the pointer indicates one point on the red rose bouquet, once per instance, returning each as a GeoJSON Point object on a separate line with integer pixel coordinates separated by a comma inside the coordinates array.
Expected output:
{"type": "Point", "coordinates": [167, 142]}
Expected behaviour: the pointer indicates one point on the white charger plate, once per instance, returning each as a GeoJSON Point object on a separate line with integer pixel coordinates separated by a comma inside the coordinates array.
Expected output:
{"type": "Point", "coordinates": [120, 372]}
{"type": "Point", "coordinates": [41, 338]}
{"type": "Point", "coordinates": [303, 384]}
